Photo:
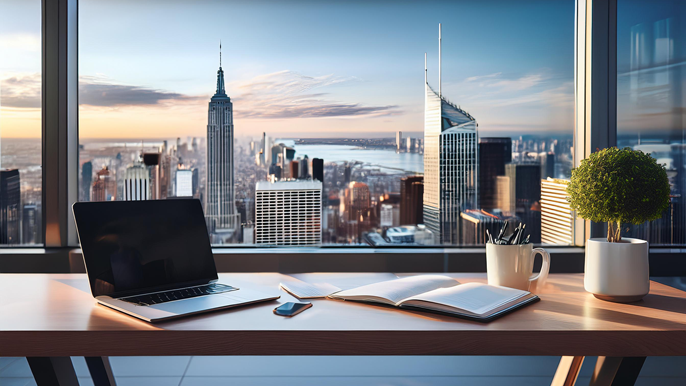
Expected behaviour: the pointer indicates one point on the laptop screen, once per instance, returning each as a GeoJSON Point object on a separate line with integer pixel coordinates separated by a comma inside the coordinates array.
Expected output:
{"type": "Point", "coordinates": [132, 247]}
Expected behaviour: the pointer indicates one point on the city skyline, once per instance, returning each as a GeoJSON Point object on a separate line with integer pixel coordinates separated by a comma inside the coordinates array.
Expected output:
{"type": "Point", "coordinates": [339, 86]}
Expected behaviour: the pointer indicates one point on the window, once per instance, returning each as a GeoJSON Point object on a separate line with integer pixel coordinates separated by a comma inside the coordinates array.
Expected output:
{"type": "Point", "coordinates": [651, 54]}
{"type": "Point", "coordinates": [325, 99]}
{"type": "Point", "coordinates": [20, 123]}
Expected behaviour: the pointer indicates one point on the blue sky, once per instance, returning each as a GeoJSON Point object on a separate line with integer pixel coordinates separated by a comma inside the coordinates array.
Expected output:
{"type": "Point", "coordinates": [308, 68]}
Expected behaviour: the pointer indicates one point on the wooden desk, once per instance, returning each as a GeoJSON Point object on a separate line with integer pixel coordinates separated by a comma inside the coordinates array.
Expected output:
{"type": "Point", "coordinates": [48, 317]}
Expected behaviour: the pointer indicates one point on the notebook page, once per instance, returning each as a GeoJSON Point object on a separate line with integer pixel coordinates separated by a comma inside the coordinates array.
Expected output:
{"type": "Point", "coordinates": [344, 281]}
{"type": "Point", "coordinates": [398, 289]}
{"type": "Point", "coordinates": [303, 290]}
{"type": "Point", "coordinates": [476, 298]}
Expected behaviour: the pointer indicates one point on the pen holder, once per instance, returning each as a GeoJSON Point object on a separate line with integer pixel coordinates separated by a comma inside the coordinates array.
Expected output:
{"type": "Point", "coordinates": [512, 266]}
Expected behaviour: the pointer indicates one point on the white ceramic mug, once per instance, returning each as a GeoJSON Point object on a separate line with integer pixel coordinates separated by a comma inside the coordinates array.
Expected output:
{"type": "Point", "coordinates": [513, 265]}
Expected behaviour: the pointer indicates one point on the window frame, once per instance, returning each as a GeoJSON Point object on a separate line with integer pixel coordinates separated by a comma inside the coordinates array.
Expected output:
{"type": "Point", "coordinates": [595, 126]}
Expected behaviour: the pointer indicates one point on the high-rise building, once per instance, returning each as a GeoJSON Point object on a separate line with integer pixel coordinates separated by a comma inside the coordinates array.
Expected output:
{"type": "Point", "coordinates": [137, 183]}
{"type": "Point", "coordinates": [86, 181]}
{"type": "Point", "coordinates": [164, 172]}
{"type": "Point", "coordinates": [288, 213]}
{"type": "Point", "coordinates": [357, 210]}
{"type": "Point", "coordinates": [411, 198]}
{"type": "Point", "coordinates": [294, 168]}
{"type": "Point", "coordinates": [220, 206]}
{"type": "Point", "coordinates": [318, 169]}
{"type": "Point", "coordinates": [152, 164]}
{"type": "Point", "coordinates": [557, 220]}
{"type": "Point", "coordinates": [184, 183]}
{"type": "Point", "coordinates": [525, 195]}
{"type": "Point", "coordinates": [399, 141]}
{"type": "Point", "coordinates": [263, 153]}
{"type": "Point", "coordinates": [304, 172]}
{"type": "Point", "coordinates": [386, 215]}
{"type": "Point", "coordinates": [10, 207]}
{"type": "Point", "coordinates": [547, 161]}
{"type": "Point", "coordinates": [275, 170]}
{"type": "Point", "coordinates": [104, 186]}
{"type": "Point", "coordinates": [31, 225]}
{"type": "Point", "coordinates": [347, 174]}
{"type": "Point", "coordinates": [450, 163]}
{"type": "Point", "coordinates": [494, 153]}
{"type": "Point", "coordinates": [411, 145]}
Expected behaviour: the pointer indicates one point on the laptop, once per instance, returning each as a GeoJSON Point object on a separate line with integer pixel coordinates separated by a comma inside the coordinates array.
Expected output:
{"type": "Point", "coordinates": [153, 260]}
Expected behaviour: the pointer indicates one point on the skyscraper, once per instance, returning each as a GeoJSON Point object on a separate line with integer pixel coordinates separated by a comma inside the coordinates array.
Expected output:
{"type": "Point", "coordinates": [318, 169]}
{"type": "Point", "coordinates": [220, 206]}
{"type": "Point", "coordinates": [557, 220]}
{"type": "Point", "coordinates": [525, 195]}
{"type": "Point", "coordinates": [10, 206]}
{"type": "Point", "coordinates": [152, 164]}
{"type": "Point", "coordinates": [494, 153]}
{"type": "Point", "coordinates": [288, 213]}
{"type": "Point", "coordinates": [411, 195]}
{"type": "Point", "coordinates": [137, 183]}
{"type": "Point", "coordinates": [86, 181]}
{"type": "Point", "coordinates": [356, 210]}
{"type": "Point", "coordinates": [183, 183]}
{"type": "Point", "coordinates": [104, 186]}
{"type": "Point", "coordinates": [450, 162]}
{"type": "Point", "coordinates": [31, 225]}
{"type": "Point", "coordinates": [399, 141]}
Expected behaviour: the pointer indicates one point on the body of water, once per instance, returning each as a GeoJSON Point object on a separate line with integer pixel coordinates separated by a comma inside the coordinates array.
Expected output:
{"type": "Point", "coordinates": [388, 160]}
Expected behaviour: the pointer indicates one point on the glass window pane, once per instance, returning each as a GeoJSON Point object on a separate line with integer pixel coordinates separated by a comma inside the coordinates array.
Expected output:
{"type": "Point", "coordinates": [651, 54]}
{"type": "Point", "coordinates": [20, 123]}
{"type": "Point", "coordinates": [313, 127]}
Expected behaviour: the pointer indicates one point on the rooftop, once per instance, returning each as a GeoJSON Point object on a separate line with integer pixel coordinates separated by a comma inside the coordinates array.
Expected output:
{"type": "Point", "coordinates": [289, 185]}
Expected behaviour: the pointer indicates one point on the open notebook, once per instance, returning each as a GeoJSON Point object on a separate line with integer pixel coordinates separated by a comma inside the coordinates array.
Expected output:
{"type": "Point", "coordinates": [442, 294]}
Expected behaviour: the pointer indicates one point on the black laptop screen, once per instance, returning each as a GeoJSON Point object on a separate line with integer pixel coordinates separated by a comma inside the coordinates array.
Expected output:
{"type": "Point", "coordinates": [134, 246]}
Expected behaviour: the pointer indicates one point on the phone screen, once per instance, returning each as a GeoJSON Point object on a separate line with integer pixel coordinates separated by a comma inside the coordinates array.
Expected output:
{"type": "Point", "coordinates": [291, 308]}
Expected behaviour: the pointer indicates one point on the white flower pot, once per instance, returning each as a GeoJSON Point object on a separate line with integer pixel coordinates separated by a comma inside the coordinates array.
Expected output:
{"type": "Point", "coordinates": [617, 272]}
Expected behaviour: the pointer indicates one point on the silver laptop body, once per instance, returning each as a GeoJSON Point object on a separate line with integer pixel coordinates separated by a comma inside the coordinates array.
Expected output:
{"type": "Point", "coordinates": [153, 259]}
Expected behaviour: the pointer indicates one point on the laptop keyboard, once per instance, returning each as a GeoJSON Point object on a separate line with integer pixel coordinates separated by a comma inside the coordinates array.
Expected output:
{"type": "Point", "coordinates": [180, 294]}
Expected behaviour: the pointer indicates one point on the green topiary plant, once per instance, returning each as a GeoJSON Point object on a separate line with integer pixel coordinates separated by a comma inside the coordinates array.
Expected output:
{"type": "Point", "coordinates": [619, 186]}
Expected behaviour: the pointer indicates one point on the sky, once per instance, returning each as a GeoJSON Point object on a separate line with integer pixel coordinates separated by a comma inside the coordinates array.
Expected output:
{"type": "Point", "coordinates": [147, 68]}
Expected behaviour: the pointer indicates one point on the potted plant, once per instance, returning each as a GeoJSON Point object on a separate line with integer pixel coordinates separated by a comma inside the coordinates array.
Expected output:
{"type": "Point", "coordinates": [618, 187]}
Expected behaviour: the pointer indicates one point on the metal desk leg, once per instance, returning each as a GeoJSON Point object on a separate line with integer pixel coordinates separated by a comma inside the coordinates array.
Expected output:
{"type": "Point", "coordinates": [567, 371]}
{"type": "Point", "coordinates": [53, 371]}
{"type": "Point", "coordinates": [616, 371]}
{"type": "Point", "coordinates": [101, 371]}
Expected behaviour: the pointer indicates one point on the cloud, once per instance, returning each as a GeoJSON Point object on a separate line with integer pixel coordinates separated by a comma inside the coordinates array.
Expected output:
{"type": "Point", "coordinates": [495, 90]}
{"type": "Point", "coordinates": [288, 94]}
{"type": "Point", "coordinates": [522, 83]}
{"type": "Point", "coordinates": [481, 77]}
{"type": "Point", "coordinates": [95, 91]}
{"type": "Point", "coordinates": [24, 90]}
{"type": "Point", "coordinates": [283, 94]}
{"type": "Point", "coordinates": [560, 96]}
{"type": "Point", "coordinates": [21, 91]}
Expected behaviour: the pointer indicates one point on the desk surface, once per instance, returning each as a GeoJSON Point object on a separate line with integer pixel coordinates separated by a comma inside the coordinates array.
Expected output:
{"type": "Point", "coordinates": [55, 315]}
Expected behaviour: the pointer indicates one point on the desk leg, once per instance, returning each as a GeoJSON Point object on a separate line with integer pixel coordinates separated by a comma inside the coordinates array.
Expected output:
{"type": "Point", "coordinates": [616, 371]}
{"type": "Point", "coordinates": [101, 371]}
{"type": "Point", "coordinates": [53, 371]}
{"type": "Point", "coordinates": [567, 371]}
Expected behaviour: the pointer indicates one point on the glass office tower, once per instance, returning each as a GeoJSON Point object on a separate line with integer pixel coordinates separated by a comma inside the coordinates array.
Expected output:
{"type": "Point", "coordinates": [450, 166]}
{"type": "Point", "coordinates": [451, 161]}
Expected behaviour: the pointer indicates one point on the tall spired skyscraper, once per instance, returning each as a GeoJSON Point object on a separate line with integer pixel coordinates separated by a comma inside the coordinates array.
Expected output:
{"type": "Point", "coordinates": [220, 205]}
{"type": "Point", "coordinates": [450, 161]}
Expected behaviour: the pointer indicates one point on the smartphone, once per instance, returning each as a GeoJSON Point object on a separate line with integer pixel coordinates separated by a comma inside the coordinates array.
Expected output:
{"type": "Point", "coordinates": [291, 308]}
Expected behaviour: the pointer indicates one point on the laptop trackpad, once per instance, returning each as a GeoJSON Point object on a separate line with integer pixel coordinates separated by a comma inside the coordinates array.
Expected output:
{"type": "Point", "coordinates": [195, 304]}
